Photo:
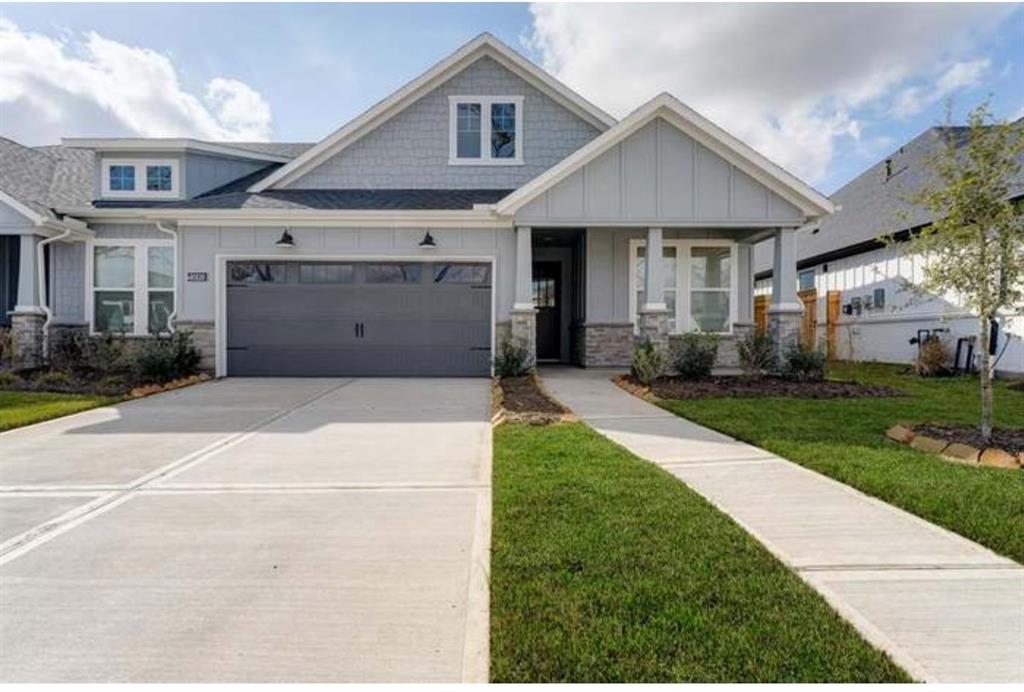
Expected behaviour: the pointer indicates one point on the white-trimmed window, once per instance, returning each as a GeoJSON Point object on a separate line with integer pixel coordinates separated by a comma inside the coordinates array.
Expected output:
{"type": "Point", "coordinates": [130, 285]}
{"type": "Point", "coordinates": [699, 283]}
{"type": "Point", "coordinates": [485, 130]}
{"type": "Point", "coordinates": [135, 178]}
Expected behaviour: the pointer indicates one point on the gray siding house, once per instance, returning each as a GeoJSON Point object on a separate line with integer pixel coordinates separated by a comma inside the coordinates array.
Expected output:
{"type": "Point", "coordinates": [482, 201]}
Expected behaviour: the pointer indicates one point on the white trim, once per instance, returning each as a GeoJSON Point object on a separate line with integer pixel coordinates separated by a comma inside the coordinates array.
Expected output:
{"type": "Point", "coordinates": [485, 158]}
{"type": "Point", "coordinates": [158, 144]}
{"type": "Point", "coordinates": [140, 191]}
{"type": "Point", "coordinates": [666, 106]}
{"type": "Point", "coordinates": [682, 289]}
{"type": "Point", "coordinates": [221, 260]}
{"type": "Point", "coordinates": [22, 209]}
{"type": "Point", "coordinates": [484, 45]}
{"type": "Point", "coordinates": [140, 288]}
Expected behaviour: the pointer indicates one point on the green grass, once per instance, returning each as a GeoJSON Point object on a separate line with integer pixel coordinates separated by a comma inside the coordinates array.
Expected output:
{"type": "Point", "coordinates": [844, 439]}
{"type": "Point", "coordinates": [23, 408]}
{"type": "Point", "coordinates": [607, 569]}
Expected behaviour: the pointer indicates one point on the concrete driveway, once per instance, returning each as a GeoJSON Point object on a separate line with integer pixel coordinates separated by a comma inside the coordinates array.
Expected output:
{"type": "Point", "coordinates": [304, 530]}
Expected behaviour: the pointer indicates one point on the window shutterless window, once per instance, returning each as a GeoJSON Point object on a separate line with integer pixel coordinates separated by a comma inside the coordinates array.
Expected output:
{"type": "Point", "coordinates": [806, 279]}
{"type": "Point", "coordinates": [139, 178]}
{"type": "Point", "coordinates": [131, 286]}
{"type": "Point", "coordinates": [121, 178]}
{"type": "Point", "coordinates": [486, 130]}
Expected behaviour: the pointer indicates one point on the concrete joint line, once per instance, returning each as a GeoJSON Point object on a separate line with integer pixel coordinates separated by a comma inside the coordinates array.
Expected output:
{"type": "Point", "coordinates": [17, 546]}
{"type": "Point", "coordinates": [920, 567]}
{"type": "Point", "coordinates": [697, 463]}
{"type": "Point", "coordinates": [303, 488]}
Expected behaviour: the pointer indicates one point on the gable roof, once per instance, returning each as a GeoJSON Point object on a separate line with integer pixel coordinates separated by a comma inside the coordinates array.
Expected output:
{"type": "Point", "coordinates": [25, 178]}
{"type": "Point", "coordinates": [693, 124]}
{"type": "Point", "coordinates": [484, 45]}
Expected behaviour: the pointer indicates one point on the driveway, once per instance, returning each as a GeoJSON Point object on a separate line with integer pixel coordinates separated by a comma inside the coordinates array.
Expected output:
{"type": "Point", "coordinates": [303, 530]}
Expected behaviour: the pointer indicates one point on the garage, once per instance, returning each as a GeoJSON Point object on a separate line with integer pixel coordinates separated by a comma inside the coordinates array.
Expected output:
{"type": "Point", "coordinates": [358, 319]}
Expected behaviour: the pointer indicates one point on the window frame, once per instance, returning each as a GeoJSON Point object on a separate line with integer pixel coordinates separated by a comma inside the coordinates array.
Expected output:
{"type": "Point", "coordinates": [684, 323]}
{"type": "Point", "coordinates": [140, 288]}
{"type": "Point", "coordinates": [141, 179]}
{"type": "Point", "coordinates": [485, 158]}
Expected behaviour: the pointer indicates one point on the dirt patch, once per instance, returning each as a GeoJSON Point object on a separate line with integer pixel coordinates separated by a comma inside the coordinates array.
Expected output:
{"type": "Point", "coordinates": [753, 387]}
{"type": "Point", "coordinates": [523, 400]}
{"type": "Point", "coordinates": [1009, 439]}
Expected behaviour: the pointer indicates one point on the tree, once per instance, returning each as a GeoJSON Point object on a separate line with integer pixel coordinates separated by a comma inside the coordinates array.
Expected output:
{"type": "Point", "coordinates": [974, 247]}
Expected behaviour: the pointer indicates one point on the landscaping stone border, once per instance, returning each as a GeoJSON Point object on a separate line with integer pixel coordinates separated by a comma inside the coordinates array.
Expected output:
{"type": "Point", "coordinates": [501, 413]}
{"type": "Point", "coordinates": [957, 452]}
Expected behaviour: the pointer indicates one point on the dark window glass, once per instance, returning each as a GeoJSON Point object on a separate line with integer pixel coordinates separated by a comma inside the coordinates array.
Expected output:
{"type": "Point", "coordinates": [255, 273]}
{"type": "Point", "coordinates": [544, 293]}
{"type": "Point", "coordinates": [158, 178]}
{"type": "Point", "coordinates": [467, 130]}
{"type": "Point", "coordinates": [393, 273]}
{"type": "Point", "coordinates": [461, 273]}
{"type": "Point", "coordinates": [322, 273]}
{"type": "Point", "coordinates": [503, 130]}
{"type": "Point", "coordinates": [122, 178]}
{"type": "Point", "coordinates": [807, 280]}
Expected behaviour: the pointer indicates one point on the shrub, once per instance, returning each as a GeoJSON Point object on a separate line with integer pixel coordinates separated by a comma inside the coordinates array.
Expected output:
{"type": "Point", "coordinates": [9, 379]}
{"type": "Point", "coordinates": [648, 362]}
{"type": "Point", "coordinates": [756, 354]}
{"type": "Point", "coordinates": [6, 345]}
{"type": "Point", "coordinates": [932, 358]}
{"type": "Point", "coordinates": [77, 351]}
{"type": "Point", "coordinates": [53, 378]}
{"type": "Point", "coordinates": [514, 358]}
{"type": "Point", "coordinates": [802, 365]}
{"type": "Point", "coordinates": [165, 358]}
{"type": "Point", "coordinates": [693, 355]}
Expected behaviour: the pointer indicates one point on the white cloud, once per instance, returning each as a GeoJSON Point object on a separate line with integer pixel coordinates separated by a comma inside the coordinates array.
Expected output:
{"type": "Point", "coordinates": [54, 87]}
{"type": "Point", "coordinates": [787, 79]}
{"type": "Point", "coordinates": [960, 75]}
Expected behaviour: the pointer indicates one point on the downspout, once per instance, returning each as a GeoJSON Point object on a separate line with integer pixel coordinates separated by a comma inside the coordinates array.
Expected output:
{"type": "Point", "coordinates": [174, 313]}
{"type": "Point", "coordinates": [41, 287]}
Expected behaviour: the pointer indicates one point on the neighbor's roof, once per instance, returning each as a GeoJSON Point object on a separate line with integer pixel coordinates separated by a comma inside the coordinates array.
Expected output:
{"type": "Point", "coordinates": [875, 204]}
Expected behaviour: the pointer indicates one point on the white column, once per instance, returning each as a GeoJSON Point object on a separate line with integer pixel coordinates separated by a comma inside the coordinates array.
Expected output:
{"type": "Point", "coordinates": [654, 288]}
{"type": "Point", "coordinates": [745, 287]}
{"type": "Point", "coordinates": [28, 283]}
{"type": "Point", "coordinates": [524, 269]}
{"type": "Point", "coordinates": [784, 297]}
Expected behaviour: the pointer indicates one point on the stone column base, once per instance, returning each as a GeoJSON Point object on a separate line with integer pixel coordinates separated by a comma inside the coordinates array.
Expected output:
{"type": "Point", "coordinates": [204, 337]}
{"type": "Point", "coordinates": [654, 328]}
{"type": "Point", "coordinates": [27, 340]}
{"type": "Point", "coordinates": [784, 327]}
{"type": "Point", "coordinates": [524, 331]}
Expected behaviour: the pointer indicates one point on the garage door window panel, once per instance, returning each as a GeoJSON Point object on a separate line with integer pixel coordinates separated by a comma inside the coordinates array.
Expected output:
{"type": "Point", "coordinates": [393, 273]}
{"type": "Point", "coordinates": [461, 273]}
{"type": "Point", "coordinates": [256, 273]}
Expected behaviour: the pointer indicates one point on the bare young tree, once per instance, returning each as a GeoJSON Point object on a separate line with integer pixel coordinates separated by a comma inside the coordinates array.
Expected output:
{"type": "Point", "coordinates": [974, 248]}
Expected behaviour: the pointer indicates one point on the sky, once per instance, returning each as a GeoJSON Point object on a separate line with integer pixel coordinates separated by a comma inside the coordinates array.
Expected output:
{"type": "Point", "coordinates": [825, 90]}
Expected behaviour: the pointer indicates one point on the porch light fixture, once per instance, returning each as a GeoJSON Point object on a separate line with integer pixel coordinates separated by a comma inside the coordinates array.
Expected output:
{"type": "Point", "coordinates": [286, 240]}
{"type": "Point", "coordinates": [428, 241]}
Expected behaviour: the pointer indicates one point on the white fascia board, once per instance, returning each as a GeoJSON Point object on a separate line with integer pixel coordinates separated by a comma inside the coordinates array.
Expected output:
{"type": "Point", "coordinates": [807, 199]}
{"type": "Point", "coordinates": [23, 209]}
{"type": "Point", "coordinates": [484, 45]}
{"type": "Point", "coordinates": [133, 144]}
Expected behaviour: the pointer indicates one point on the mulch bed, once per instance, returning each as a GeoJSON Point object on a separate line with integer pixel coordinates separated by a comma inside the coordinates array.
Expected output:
{"type": "Point", "coordinates": [1010, 439]}
{"type": "Point", "coordinates": [521, 399]}
{"type": "Point", "coordinates": [753, 387]}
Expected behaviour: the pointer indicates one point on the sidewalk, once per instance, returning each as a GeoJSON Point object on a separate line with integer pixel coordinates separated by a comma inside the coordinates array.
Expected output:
{"type": "Point", "coordinates": [945, 608]}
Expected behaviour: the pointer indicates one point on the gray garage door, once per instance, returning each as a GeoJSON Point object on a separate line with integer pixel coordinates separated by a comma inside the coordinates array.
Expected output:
{"type": "Point", "coordinates": [339, 319]}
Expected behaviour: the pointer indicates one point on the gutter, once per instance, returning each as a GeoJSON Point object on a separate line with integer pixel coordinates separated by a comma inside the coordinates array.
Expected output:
{"type": "Point", "coordinates": [41, 285]}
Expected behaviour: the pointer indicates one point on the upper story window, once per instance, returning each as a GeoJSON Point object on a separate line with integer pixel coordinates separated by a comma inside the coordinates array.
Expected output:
{"type": "Point", "coordinates": [486, 130]}
{"type": "Point", "coordinates": [124, 178]}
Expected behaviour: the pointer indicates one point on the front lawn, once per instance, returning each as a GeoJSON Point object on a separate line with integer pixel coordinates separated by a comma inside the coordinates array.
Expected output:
{"type": "Point", "coordinates": [22, 408]}
{"type": "Point", "coordinates": [605, 568]}
{"type": "Point", "coordinates": [844, 439]}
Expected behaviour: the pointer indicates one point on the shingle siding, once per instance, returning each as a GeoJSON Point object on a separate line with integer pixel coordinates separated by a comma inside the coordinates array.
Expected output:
{"type": "Point", "coordinates": [411, 149]}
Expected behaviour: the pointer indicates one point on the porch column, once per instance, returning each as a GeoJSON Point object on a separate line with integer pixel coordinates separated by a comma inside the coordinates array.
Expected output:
{"type": "Point", "coordinates": [28, 317]}
{"type": "Point", "coordinates": [785, 312]}
{"type": "Point", "coordinates": [653, 315]}
{"type": "Point", "coordinates": [524, 312]}
{"type": "Point", "coordinates": [743, 320]}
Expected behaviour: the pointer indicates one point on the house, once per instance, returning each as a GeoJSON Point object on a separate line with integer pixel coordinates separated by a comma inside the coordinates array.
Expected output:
{"type": "Point", "coordinates": [842, 261]}
{"type": "Point", "coordinates": [484, 200]}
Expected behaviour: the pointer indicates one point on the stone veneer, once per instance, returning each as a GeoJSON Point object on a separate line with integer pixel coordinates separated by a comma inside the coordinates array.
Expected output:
{"type": "Point", "coordinates": [784, 327]}
{"type": "Point", "coordinates": [603, 345]}
{"type": "Point", "coordinates": [27, 340]}
{"type": "Point", "coordinates": [524, 329]}
{"type": "Point", "coordinates": [204, 338]}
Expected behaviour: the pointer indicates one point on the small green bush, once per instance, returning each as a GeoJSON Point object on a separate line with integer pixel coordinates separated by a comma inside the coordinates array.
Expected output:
{"type": "Point", "coordinates": [514, 358]}
{"type": "Point", "coordinates": [648, 362]}
{"type": "Point", "coordinates": [693, 355]}
{"type": "Point", "coordinates": [53, 378]}
{"type": "Point", "coordinates": [803, 365]}
{"type": "Point", "coordinates": [79, 352]}
{"type": "Point", "coordinates": [756, 354]}
{"type": "Point", "coordinates": [9, 379]}
{"type": "Point", "coordinates": [164, 358]}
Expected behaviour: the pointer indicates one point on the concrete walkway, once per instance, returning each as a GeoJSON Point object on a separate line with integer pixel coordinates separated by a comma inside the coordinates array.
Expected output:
{"type": "Point", "coordinates": [286, 530]}
{"type": "Point", "coordinates": [945, 608]}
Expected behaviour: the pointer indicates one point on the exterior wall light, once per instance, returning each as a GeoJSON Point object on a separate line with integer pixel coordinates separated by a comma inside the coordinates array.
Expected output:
{"type": "Point", "coordinates": [286, 240]}
{"type": "Point", "coordinates": [428, 241]}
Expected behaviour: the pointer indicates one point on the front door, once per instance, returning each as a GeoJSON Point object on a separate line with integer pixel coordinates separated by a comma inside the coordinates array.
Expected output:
{"type": "Point", "coordinates": [547, 281]}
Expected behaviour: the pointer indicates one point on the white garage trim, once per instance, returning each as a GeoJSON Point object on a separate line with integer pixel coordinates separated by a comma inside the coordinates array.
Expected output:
{"type": "Point", "coordinates": [221, 285]}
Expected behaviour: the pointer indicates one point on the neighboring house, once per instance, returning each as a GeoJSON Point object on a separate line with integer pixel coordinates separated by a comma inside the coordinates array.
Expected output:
{"type": "Point", "coordinates": [483, 200]}
{"type": "Point", "coordinates": [842, 257]}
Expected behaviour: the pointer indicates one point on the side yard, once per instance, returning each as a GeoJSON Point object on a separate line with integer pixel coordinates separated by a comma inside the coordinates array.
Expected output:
{"type": "Point", "coordinates": [24, 408]}
{"type": "Point", "coordinates": [606, 568]}
{"type": "Point", "coordinates": [844, 439]}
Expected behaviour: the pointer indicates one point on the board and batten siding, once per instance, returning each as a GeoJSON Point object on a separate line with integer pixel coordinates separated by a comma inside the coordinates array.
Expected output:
{"type": "Point", "coordinates": [660, 176]}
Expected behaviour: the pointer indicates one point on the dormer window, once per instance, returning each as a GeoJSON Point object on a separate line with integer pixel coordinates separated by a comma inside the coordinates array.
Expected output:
{"type": "Point", "coordinates": [486, 130]}
{"type": "Point", "coordinates": [142, 178]}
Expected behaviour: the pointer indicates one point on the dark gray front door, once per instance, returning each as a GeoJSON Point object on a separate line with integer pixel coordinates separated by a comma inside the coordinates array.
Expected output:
{"type": "Point", "coordinates": [352, 319]}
